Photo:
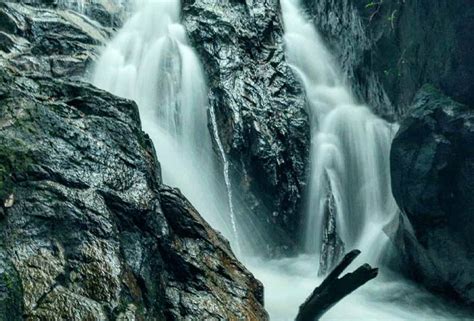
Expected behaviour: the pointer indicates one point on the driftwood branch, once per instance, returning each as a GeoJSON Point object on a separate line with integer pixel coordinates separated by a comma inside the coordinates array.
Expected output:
{"type": "Point", "coordinates": [333, 288]}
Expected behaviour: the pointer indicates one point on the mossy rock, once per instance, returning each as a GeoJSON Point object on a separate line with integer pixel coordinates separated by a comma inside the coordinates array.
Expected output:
{"type": "Point", "coordinates": [14, 157]}
{"type": "Point", "coordinates": [11, 297]}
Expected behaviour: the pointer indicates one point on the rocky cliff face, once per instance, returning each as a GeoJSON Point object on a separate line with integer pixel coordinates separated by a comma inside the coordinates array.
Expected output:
{"type": "Point", "coordinates": [433, 182]}
{"type": "Point", "coordinates": [109, 13]}
{"type": "Point", "coordinates": [88, 232]}
{"type": "Point", "coordinates": [389, 49]}
{"type": "Point", "coordinates": [260, 109]}
{"type": "Point", "coordinates": [344, 27]}
{"type": "Point", "coordinates": [47, 42]}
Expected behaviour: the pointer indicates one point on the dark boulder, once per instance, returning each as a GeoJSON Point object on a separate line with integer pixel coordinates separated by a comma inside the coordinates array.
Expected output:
{"type": "Point", "coordinates": [87, 230]}
{"type": "Point", "coordinates": [390, 48]}
{"type": "Point", "coordinates": [204, 278]}
{"type": "Point", "coordinates": [260, 110]}
{"type": "Point", "coordinates": [432, 167]}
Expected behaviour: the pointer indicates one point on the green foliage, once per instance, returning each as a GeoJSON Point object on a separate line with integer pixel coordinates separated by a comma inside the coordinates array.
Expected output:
{"type": "Point", "coordinates": [392, 18]}
{"type": "Point", "coordinates": [373, 4]}
{"type": "Point", "coordinates": [11, 307]}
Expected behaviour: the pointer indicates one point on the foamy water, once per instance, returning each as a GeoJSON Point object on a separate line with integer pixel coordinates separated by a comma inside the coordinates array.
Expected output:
{"type": "Point", "coordinates": [389, 297]}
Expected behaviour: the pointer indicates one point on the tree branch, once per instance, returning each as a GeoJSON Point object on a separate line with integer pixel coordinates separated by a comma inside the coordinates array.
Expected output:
{"type": "Point", "coordinates": [333, 288]}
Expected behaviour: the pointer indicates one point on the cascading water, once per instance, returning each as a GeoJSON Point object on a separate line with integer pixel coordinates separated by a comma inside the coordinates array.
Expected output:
{"type": "Point", "coordinates": [350, 180]}
{"type": "Point", "coordinates": [225, 163]}
{"type": "Point", "coordinates": [151, 62]}
{"type": "Point", "coordinates": [350, 147]}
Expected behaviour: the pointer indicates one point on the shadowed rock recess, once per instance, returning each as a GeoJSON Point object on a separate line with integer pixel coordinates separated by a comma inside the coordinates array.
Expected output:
{"type": "Point", "coordinates": [88, 231]}
{"type": "Point", "coordinates": [390, 48]}
{"type": "Point", "coordinates": [260, 109]}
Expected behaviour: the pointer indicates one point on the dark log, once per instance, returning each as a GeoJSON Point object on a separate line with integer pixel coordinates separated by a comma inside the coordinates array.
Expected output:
{"type": "Point", "coordinates": [333, 288]}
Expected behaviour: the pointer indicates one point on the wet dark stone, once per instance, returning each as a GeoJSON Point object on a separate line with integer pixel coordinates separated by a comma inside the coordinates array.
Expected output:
{"type": "Point", "coordinates": [88, 231]}
{"type": "Point", "coordinates": [109, 13]}
{"type": "Point", "coordinates": [432, 166]}
{"type": "Point", "coordinates": [332, 249]}
{"type": "Point", "coordinates": [389, 49]}
{"type": "Point", "coordinates": [260, 110]}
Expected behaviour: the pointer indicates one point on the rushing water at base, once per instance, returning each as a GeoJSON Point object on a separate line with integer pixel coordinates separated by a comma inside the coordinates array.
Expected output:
{"type": "Point", "coordinates": [288, 282]}
{"type": "Point", "coordinates": [150, 61]}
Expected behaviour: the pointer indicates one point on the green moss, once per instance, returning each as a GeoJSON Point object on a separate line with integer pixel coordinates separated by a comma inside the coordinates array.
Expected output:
{"type": "Point", "coordinates": [373, 4]}
{"type": "Point", "coordinates": [430, 88]}
{"type": "Point", "coordinates": [11, 300]}
{"type": "Point", "coordinates": [14, 157]}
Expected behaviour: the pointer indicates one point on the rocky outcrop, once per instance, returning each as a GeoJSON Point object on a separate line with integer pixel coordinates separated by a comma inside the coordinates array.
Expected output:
{"type": "Point", "coordinates": [88, 231]}
{"type": "Point", "coordinates": [260, 110]}
{"type": "Point", "coordinates": [390, 48]}
{"type": "Point", "coordinates": [205, 281]}
{"type": "Point", "coordinates": [332, 247]}
{"type": "Point", "coordinates": [47, 42]}
{"type": "Point", "coordinates": [109, 13]}
{"type": "Point", "coordinates": [432, 166]}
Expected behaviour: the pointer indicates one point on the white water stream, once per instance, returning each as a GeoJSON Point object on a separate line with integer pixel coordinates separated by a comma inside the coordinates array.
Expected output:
{"type": "Point", "coordinates": [151, 62]}
{"type": "Point", "coordinates": [350, 159]}
{"type": "Point", "coordinates": [288, 282]}
{"type": "Point", "coordinates": [350, 147]}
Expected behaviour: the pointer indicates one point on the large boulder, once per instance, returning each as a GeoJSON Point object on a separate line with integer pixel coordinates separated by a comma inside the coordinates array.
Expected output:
{"type": "Point", "coordinates": [432, 167]}
{"type": "Point", "coordinates": [260, 111]}
{"type": "Point", "coordinates": [87, 229]}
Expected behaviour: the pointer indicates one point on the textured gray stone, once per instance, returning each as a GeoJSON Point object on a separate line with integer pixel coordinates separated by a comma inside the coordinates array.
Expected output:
{"type": "Point", "coordinates": [87, 230]}
{"type": "Point", "coordinates": [432, 166]}
{"type": "Point", "coordinates": [260, 109]}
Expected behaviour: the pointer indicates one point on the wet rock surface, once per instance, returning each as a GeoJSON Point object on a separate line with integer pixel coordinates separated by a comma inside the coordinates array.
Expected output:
{"type": "Point", "coordinates": [40, 41]}
{"type": "Point", "coordinates": [204, 278]}
{"type": "Point", "coordinates": [260, 110]}
{"type": "Point", "coordinates": [432, 179]}
{"type": "Point", "coordinates": [333, 248]}
{"type": "Point", "coordinates": [88, 231]}
{"type": "Point", "coordinates": [109, 13]}
{"type": "Point", "coordinates": [389, 49]}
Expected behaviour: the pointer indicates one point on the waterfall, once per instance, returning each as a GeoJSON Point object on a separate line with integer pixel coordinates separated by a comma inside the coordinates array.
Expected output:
{"type": "Point", "coordinates": [228, 183]}
{"type": "Point", "coordinates": [349, 150]}
{"type": "Point", "coordinates": [151, 62]}
{"type": "Point", "coordinates": [349, 198]}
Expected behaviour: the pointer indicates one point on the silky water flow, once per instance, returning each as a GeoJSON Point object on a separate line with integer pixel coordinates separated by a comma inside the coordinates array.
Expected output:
{"type": "Point", "coordinates": [150, 61]}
